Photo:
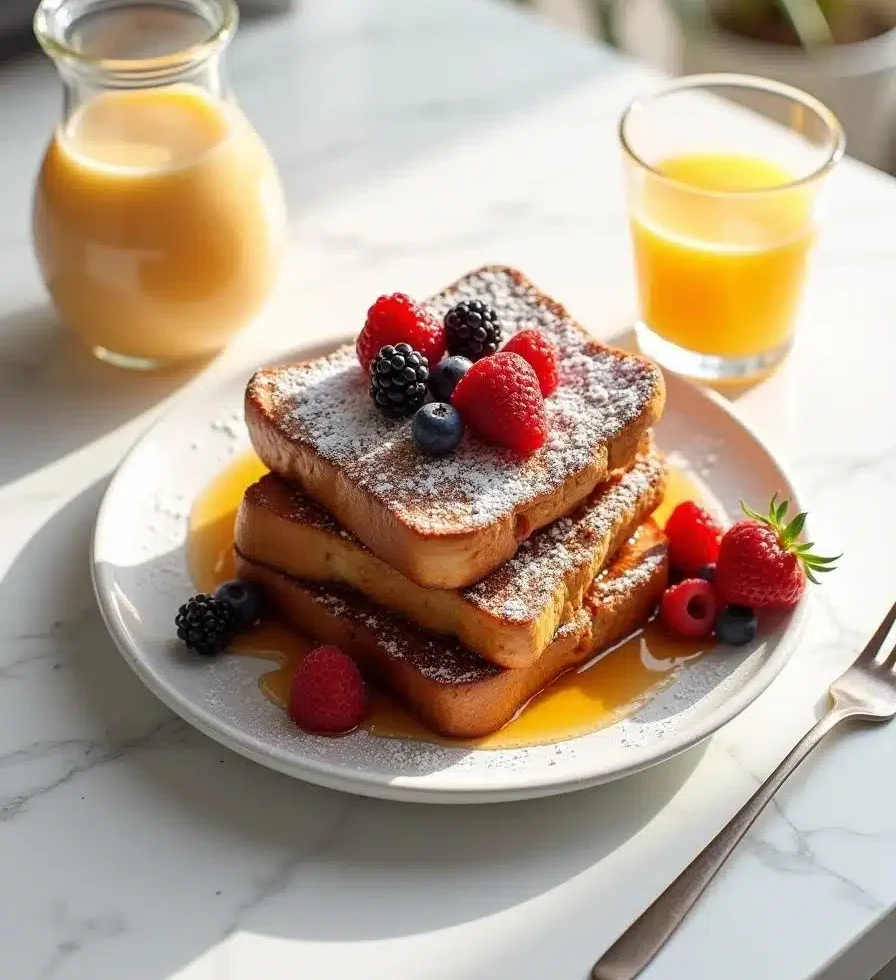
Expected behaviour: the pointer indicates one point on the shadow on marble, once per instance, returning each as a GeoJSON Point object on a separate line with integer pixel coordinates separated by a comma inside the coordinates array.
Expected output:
{"type": "Point", "coordinates": [440, 864]}
{"type": "Point", "coordinates": [56, 398]}
{"type": "Point", "coordinates": [347, 869]}
{"type": "Point", "coordinates": [62, 638]}
{"type": "Point", "coordinates": [280, 856]}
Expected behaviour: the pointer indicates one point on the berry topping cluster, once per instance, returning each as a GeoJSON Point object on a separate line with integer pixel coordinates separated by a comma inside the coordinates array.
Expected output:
{"type": "Point", "coordinates": [723, 581]}
{"type": "Point", "coordinates": [497, 393]}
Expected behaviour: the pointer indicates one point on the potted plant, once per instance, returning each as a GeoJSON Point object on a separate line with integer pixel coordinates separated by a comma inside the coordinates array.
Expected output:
{"type": "Point", "coordinates": [841, 51]}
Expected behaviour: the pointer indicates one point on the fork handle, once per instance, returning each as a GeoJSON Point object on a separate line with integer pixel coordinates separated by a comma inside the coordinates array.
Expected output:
{"type": "Point", "coordinates": [647, 935]}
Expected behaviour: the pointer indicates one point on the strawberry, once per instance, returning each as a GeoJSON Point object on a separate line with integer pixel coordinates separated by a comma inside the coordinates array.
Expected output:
{"type": "Point", "coordinates": [541, 353]}
{"type": "Point", "coordinates": [694, 537]}
{"type": "Point", "coordinates": [327, 694]}
{"type": "Point", "coordinates": [397, 319]}
{"type": "Point", "coordinates": [499, 398]}
{"type": "Point", "coordinates": [760, 563]}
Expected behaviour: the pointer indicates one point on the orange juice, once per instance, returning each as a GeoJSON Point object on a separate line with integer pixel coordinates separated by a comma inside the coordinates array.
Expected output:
{"type": "Point", "coordinates": [158, 222]}
{"type": "Point", "coordinates": [720, 271]}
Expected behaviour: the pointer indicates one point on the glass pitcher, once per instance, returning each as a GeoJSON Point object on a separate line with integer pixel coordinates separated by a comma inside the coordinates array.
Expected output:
{"type": "Point", "coordinates": [158, 213]}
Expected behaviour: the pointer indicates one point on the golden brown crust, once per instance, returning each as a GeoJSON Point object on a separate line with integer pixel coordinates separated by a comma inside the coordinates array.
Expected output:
{"type": "Point", "coordinates": [446, 523]}
{"type": "Point", "coordinates": [512, 614]}
{"type": "Point", "coordinates": [450, 688]}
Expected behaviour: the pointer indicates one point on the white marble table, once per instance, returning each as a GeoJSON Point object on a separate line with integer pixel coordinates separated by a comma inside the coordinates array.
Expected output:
{"type": "Point", "coordinates": [417, 140]}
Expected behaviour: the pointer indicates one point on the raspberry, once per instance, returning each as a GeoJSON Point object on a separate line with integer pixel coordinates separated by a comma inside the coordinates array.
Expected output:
{"type": "Point", "coordinates": [397, 319]}
{"type": "Point", "coordinates": [761, 565]}
{"type": "Point", "coordinates": [694, 537]}
{"type": "Point", "coordinates": [541, 353]}
{"type": "Point", "coordinates": [500, 400]}
{"type": "Point", "coordinates": [689, 608]}
{"type": "Point", "coordinates": [327, 695]}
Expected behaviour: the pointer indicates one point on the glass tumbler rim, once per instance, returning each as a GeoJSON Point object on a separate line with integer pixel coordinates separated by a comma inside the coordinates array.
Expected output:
{"type": "Point", "coordinates": [750, 82]}
{"type": "Point", "coordinates": [52, 18]}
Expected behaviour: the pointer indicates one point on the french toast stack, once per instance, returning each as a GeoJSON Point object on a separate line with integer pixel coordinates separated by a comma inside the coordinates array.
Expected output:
{"type": "Point", "coordinates": [463, 584]}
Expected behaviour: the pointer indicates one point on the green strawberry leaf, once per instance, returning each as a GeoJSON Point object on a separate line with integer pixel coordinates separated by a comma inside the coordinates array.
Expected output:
{"type": "Point", "coordinates": [795, 528]}
{"type": "Point", "coordinates": [752, 514]}
{"type": "Point", "coordinates": [781, 512]}
{"type": "Point", "coordinates": [788, 534]}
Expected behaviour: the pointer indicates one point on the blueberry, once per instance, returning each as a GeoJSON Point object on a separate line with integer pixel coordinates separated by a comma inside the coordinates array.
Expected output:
{"type": "Point", "coordinates": [707, 573]}
{"type": "Point", "coordinates": [245, 599]}
{"type": "Point", "coordinates": [438, 428]}
{"type": "Point", "coordinates": [736, 625]}
{"type": "Point", "coordinates": [444, 376]}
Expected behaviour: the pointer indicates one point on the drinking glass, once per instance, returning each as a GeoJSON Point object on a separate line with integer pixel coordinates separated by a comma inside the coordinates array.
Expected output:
{"type": "Point", "coordinates": [724, 174]}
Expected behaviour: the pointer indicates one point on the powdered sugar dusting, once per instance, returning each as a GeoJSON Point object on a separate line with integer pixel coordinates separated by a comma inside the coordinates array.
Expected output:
{"type": "Point", "coordinates": [614, 583]}
{"type": "Point", "coordinates": [325, 404]}
{"type": "Point", "coordinates": [444, 660]}
{"type": "Point", "coordinates": [436, 658]}
{"type": "Point", "coordinates": [521, 588]}
{"type": "Point", "coordinates": [535, 579]}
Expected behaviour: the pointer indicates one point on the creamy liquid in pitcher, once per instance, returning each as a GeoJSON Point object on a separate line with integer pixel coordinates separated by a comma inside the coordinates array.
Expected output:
{"type": "Point", "coordinates": [158, 222]}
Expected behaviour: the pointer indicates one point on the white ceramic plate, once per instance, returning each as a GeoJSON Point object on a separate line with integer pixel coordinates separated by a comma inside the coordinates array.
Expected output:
{"type": "Point", "coordinates": [140, 577]}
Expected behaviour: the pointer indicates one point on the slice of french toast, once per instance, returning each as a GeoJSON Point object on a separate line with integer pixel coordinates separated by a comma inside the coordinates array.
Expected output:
{"type": "Point", "coordinates": [446, 522]}
{"type": "Point", "coordinates": [513, 613]}
{"type": "Point", "coordinates": [451, 689]}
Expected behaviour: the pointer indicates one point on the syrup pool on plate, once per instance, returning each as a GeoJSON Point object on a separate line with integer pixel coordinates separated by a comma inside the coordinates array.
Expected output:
{"type": "Point", "coordinates": [613, 685]}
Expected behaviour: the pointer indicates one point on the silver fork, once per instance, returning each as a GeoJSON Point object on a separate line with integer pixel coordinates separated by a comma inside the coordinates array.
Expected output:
{"type": "Point", "coordinates": [866, 691]}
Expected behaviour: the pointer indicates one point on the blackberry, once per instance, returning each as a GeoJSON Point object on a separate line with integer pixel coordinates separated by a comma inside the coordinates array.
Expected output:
{"type": "Point", "coordinates": [472, 329]}
{"type": "Point", "coordinates": [398, 377]}
{"type": "Point", "coordinates": [205, 624]}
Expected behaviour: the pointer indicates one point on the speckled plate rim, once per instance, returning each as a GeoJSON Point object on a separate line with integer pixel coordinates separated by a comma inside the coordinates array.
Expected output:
{"type": "Point", "coordinates": [150, 654]}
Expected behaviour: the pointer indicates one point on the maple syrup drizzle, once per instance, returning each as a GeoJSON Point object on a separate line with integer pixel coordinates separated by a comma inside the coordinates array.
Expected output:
{"type": "Point", "coordinates": [602, 692]}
